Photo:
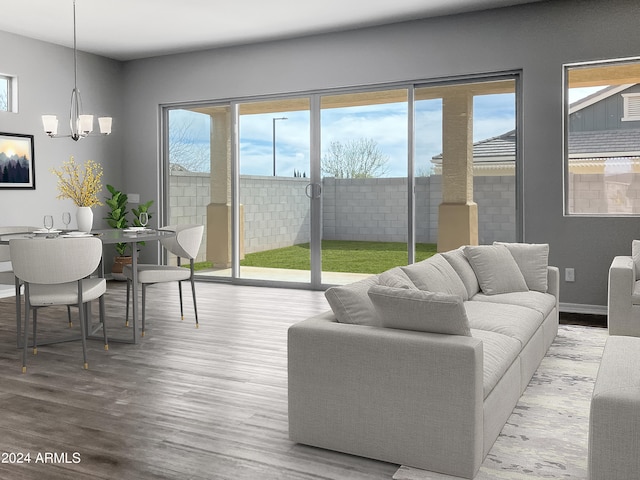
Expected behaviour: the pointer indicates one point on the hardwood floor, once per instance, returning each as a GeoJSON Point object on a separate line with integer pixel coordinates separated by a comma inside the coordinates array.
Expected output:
{"type": "Point", "coordinates": [185, 403]}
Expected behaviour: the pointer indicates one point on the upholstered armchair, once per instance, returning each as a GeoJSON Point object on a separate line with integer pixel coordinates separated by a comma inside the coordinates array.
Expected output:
{"type": "Point", "coordinates": [624, 293]}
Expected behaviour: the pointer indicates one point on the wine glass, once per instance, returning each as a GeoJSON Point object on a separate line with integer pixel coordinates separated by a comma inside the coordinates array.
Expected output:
{"type": "Point", "coordinates": [48, 222]}
{"type": "Point", "coordinates": [143, 218]}
{"type": "Point", "coordinates": [66, 219]}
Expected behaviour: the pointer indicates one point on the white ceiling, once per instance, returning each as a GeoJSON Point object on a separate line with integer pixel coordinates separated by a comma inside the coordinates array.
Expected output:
{"type": "Point", "coordinates": [130, 29]}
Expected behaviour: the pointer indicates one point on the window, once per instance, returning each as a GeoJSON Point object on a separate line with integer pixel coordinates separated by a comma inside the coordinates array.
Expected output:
{"type": "Point", "coordinates": [8, 101]}
{"type": "Point", "coordinates": [602, 138]}
{"type": "Point", "coordinates": [631, 107]}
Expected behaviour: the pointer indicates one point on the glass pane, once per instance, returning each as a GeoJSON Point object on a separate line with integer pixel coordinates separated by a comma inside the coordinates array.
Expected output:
{"type": "Point", "coordinates": [494, 171]}
{"type": "Point", "coordinates": [4, 94]}
{"type": "Point", "coordinates": [274, 139]}
{"type": "Point", "coordinates": [492, 108]}
{"type": "Point", "coordinates": [199, 173]}
{"type": "Point", "coordinates": [364, 184]}
{"type": "Point", "coordinates": [603, 119]}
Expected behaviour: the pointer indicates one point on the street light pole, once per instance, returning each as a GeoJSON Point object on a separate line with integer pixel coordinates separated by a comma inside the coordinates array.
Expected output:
{"type": "Point", "coordinates": [274, 143]}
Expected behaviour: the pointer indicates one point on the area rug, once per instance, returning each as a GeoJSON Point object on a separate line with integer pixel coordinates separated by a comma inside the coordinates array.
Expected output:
{"type": "Point", "coordinates": [547, 433]}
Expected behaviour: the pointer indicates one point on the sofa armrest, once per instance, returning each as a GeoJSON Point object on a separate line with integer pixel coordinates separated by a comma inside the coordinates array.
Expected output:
{"type": "Point", "coordinates": [400, 396]}
{"type": "Point", "coordinates": [619, 303]}
{"type": "Point", "coordinates": [553, 285]}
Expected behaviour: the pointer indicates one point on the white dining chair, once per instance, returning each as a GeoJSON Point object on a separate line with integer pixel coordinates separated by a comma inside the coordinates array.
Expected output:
{"type": "Point", "coordinates": [185, 244]}
{"type": "Point", "coordinates": [7, 277]}
{"type": "Point", "coordinates": [57, 272]}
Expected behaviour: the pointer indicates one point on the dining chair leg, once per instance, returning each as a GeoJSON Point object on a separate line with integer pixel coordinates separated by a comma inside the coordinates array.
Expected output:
{"type": "Point", "coordinates": [35, 330]}
{"type": "Point", "coordinates": [144, 303]}
{"type": "Point", "coordinates": [25, 340]}
{"type": "Point", "coordinates": [103, 319]}
{"type": "Point", "coordinates": [193, 293]}
{"type": "Point", "coordinates": [126, 315]}
{"type": "Point", "coordinates": [69, 316]}
{"type": "Point", "coordinates": [83, 335]}
{"type": "Point", "coordinates": [18, 312]}
{"type": "Point", "coordinates": [180, 295]}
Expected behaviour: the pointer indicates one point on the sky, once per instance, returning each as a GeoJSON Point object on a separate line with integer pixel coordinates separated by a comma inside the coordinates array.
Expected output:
{"type": "Point", "coordinates": [386, 124]}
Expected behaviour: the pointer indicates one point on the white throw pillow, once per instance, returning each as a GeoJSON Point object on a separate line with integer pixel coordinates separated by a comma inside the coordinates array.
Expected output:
{"type": "Point", "coordinates": [351, 304]}
{"type": "Point", "coordinates": [533, 260]}
{"type": "Point", "coordinates": [396, 278]}
{"type": "Point", "coordinates": [435, 274]}
{"type": "Point", "coordinates": [463, 268]}
{"type": "Point", "coordinates": [496, 269]}
{"type": "Point", "coordinates": [409, 309]}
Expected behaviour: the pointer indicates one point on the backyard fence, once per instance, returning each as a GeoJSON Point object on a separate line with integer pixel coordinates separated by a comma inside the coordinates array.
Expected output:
{"type": "Point", "coordinates": [277, 213]}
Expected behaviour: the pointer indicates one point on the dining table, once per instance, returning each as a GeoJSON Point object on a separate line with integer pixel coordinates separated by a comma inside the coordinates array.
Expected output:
{"type": "Point", "coordinates": [113, 236]}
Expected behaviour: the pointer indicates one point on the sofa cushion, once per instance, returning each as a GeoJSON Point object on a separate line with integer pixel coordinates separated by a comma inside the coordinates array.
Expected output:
{"type": "Point", "coordinates": [513, 321]}
{"type": "Point", "coordinates": [419, 310]}
{"type": "Point", "coordinates": [541, 302]}
{"type": "Point", "coordinates": [496, 269]}
{"type": "Point", "coordinates": [435, 274]}
{"type": "Point", "coordinates": [351, 304]}
{"type": "Point", "coordinates": [463, 268]}
{"type": "Point", "coordinates": [396, 277]}
{"type": "Point", "coordinates": [498, 353]}
{"type": "Point", "coordinates": [635, 254]}
{"type": "Point", "coordinates": [533, 260]}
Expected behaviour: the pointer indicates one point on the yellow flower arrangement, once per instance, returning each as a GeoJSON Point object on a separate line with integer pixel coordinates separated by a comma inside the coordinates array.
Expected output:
{"type": "Point", "coordinates": [80, 186]}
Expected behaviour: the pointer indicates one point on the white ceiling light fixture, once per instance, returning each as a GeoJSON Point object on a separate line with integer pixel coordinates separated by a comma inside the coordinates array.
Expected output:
{"type": "Point", "coordinates": [81, 125]}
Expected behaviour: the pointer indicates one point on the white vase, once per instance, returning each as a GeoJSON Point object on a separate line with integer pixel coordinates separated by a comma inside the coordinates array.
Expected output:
{"type": "Point", "coordinates": [84, 217]}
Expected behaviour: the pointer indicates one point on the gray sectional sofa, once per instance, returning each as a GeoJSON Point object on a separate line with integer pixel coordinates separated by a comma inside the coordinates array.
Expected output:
{"type": "Point", "coordinates": [422, 365]}
{"type": "Point", "coordinates": [623, 305]}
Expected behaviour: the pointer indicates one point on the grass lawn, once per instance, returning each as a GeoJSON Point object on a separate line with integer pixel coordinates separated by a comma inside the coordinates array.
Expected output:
{"type": "Point", "coordinates": [341, 256]}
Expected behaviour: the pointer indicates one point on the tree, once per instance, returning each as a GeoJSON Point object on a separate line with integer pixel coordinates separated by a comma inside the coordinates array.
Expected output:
{"type": "Point", "coordinates": [185, 148]}
{"type": "Point", "coordinates": [359, 158]}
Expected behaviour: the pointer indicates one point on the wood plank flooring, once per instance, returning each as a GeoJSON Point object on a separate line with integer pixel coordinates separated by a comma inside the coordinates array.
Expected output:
{"type": "Point", "coordinates": [185, 403]}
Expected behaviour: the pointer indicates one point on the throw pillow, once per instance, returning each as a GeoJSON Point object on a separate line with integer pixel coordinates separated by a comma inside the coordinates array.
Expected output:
{"type": "Point", "coordinates": [533, 260]}
{"type": "Point", "coordinates": [463, 268]}
{"type": "Point", "coordinates": [351, 304]}
{"type": "Point", "coordinates": [496, 269]}
{"type": "Point", "coordinates": [635, 254]}
{"type": "Point", "coordinates": [395, 278]}
{"type": "Point", "coordinates": [418, 310]}
{"type": "Point", "coordinates": [435, 274]}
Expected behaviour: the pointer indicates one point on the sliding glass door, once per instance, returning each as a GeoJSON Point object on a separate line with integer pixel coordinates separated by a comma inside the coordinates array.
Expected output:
{"type": "Point", "coordinates": [326, 188]}
{"type": "Point", "coordinates": [274, 215]}
{"type": "Point", "coordinates": [363, 167]}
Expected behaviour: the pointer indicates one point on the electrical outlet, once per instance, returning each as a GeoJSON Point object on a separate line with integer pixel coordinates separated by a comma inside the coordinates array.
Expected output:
{"type": "Point", "coordinates": [133, 197]}
{"type": "Point", "coordinates": [569, 275]}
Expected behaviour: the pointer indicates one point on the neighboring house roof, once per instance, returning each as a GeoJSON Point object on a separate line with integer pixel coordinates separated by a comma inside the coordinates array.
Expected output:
{"type": "Point", "coordinates": [583, 144]}
{"type": "Point", "coordinates": [610, 142]}
{"type": "Point", "coordinates": [496, 149]}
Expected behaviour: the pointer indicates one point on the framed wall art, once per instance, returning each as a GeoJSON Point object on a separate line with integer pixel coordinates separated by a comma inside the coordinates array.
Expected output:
{"type": "Point", "coordinates": [17, 162]}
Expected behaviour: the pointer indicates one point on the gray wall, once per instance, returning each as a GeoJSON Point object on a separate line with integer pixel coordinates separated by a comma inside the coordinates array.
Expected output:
{"type": "Point", "coordinates": [45, 81]}
{"type": "Point", "coordinates": [536, 38]}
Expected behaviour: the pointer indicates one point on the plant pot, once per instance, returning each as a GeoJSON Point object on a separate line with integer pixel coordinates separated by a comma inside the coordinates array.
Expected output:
{"type": "Point", "coordinates": [118, 266]}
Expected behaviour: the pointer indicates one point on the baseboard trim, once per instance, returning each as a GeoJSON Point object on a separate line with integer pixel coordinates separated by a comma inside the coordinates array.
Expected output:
{"type": "Point", "coordinates": [583, 308]}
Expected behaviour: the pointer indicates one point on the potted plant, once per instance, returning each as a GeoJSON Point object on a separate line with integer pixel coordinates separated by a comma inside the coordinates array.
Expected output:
{"type": "Point", "coordinates": [81, 184]}
{"type": "Point", "coordinates": [117, 218]}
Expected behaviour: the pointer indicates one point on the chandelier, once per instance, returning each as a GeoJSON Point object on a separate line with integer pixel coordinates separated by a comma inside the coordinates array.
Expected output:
{"type": "Point", "coordinates": [81, 124]}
